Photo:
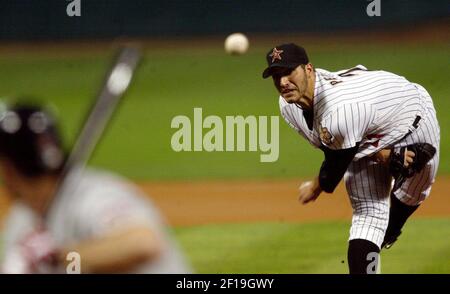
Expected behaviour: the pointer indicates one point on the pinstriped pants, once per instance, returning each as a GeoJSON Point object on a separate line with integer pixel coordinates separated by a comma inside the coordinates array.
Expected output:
{"type": "Point", "coordinates": [369, 183]}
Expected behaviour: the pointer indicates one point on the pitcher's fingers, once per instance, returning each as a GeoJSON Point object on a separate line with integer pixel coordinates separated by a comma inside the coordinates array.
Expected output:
{"type": "Point", "coordinates": [410, 154]}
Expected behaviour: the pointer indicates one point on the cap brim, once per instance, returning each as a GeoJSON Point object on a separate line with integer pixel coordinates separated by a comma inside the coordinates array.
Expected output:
{"type": "Point", "coordinates": [269, 70]}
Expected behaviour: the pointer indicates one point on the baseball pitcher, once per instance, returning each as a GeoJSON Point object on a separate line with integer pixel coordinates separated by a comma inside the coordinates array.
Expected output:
{"type": "Point", "coordinates": [377, 130]}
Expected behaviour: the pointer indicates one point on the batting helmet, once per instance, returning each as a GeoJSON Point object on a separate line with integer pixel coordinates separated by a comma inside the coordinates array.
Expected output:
{"type": "Point", "coordinates": [30, 140]}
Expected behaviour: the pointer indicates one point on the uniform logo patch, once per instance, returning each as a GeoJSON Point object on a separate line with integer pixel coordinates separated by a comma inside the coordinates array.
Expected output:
{"type": "Point", "coordinates": [276, 54]}
{"type": "Point", "coordinates": [325, 136]}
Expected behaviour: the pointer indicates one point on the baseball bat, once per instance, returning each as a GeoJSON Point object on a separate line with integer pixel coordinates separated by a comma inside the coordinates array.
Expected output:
{"type": "Point", "coordinates": [114, 86]}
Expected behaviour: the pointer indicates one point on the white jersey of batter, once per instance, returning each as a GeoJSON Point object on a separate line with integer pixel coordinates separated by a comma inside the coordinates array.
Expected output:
{"type": "Point", "coordinates": [380, 110]}
{"type": "Point", "coordinates": [98, 203]}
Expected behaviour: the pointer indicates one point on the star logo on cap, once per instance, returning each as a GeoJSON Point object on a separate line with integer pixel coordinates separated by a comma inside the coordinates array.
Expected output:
{"type": "Point", "coordinates": [276, 54]}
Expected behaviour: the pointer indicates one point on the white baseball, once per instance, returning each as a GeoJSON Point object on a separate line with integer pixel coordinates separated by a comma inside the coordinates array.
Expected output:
{"type": "Point", "coordinates": [236, 44]}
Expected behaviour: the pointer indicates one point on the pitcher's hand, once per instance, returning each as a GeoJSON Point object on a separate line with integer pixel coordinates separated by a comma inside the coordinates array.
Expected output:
{"type": "Point", "coordinates": [309, 191]}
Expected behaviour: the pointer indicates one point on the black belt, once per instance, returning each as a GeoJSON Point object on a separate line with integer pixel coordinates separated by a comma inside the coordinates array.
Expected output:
{"type": "Point", "coordinates": [415, 124]}
{"type": "Point", "coordinates": [416, 121]}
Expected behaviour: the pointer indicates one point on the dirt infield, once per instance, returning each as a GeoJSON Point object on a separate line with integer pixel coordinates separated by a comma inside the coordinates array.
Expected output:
{"type": "Point", "coordinates": [256, 201]}
{"type": "Point", "coordinates": [194, 203]}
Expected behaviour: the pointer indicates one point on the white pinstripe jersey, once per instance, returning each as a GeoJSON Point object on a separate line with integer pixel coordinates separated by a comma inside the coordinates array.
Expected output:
{"type": "Point", "coordinates": [375, 108]}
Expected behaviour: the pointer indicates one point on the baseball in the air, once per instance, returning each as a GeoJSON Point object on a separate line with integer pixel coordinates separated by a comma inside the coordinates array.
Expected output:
{"type": "Point", "coordinates": [236, 44]}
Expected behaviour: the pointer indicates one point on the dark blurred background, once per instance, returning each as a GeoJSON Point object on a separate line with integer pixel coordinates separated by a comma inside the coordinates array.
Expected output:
{"type": "Point", "coordinates": [40, 20]}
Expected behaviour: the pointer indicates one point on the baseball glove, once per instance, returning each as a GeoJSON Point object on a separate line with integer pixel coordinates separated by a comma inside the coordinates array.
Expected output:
{"type": "Point", "coordinates": [423, 154]}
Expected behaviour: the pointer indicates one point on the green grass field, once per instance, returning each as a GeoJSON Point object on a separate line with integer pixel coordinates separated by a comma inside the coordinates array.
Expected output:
{"type": "Point", "coordinates": [424, 247]}
{"type": "Point", "coordinates": [172, 82]}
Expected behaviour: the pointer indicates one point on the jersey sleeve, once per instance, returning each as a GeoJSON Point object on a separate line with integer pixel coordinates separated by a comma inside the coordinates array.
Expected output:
{"type": "Point", "coordinates": [344, 127]}
{"type": "Point", "coordinates": [105, 209]}
{"type": "Point", "coordinates": [334, 166]}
